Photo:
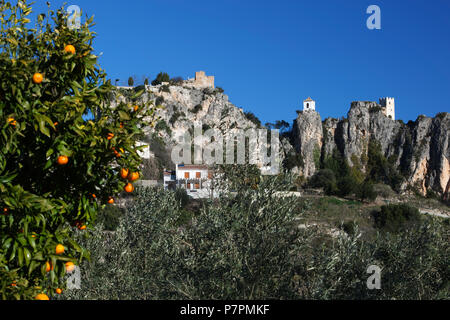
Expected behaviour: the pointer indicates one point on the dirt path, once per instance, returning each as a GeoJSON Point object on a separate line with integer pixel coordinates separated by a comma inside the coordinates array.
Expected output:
{"type": "Point", "coordinates": [434, 212]}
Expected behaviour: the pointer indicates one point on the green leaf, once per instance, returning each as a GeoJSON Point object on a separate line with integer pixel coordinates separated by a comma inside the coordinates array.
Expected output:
{"type": "Point", "coordinates": [124, 116]}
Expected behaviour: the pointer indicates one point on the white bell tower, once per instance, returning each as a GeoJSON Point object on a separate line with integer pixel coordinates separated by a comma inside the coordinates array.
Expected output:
{"type": "Point", "coordinates": [309, 104]}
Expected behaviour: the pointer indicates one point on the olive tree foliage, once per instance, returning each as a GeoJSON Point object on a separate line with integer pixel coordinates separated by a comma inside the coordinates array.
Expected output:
{"type": "Point", "coordinates": [249, 246]}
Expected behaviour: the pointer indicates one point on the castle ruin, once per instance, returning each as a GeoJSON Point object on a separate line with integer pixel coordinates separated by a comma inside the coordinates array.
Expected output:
{"type": "Point", "coordinates": [201, 80]}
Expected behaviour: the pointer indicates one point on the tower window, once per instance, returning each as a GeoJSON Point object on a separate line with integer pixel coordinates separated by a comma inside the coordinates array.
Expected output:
{"type": "Point", "coordinates": [307, 105]}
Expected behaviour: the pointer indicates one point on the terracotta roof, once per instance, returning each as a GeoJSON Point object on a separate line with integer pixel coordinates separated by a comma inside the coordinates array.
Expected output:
{"type": "Point", "coordinates": [192, 167]}
{"type": "Point", "coordinates": [309, 99]}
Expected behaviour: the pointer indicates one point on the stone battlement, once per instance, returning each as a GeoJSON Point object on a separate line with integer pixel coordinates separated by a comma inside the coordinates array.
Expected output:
{"type": "Point", "coordinates": [201, 80]}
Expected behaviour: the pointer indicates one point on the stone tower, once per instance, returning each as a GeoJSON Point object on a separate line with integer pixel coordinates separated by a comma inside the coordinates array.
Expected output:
{"type": "Point", "coordinates": [388, 105]}
{"type": "Point", "coordinates": [202, 80]}
{"type": "Point", "coordinates": [309, 104]}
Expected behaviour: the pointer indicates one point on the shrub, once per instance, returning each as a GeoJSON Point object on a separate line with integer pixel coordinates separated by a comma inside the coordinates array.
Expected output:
{"type": "Point", "coordinates": [365, 191]}
{"type": "Point", "coordinates": [325, 179]}
{"type": "Point", "coordinates": [293, 160]}
{"type": "Point", "coordinates": [196, 109]}
{"type": "Point", "coordinates": [383, 190]}
{"type": "Point", "coordinates": [165, 88]}
{"type": "Point", "coordinates": [53, 158]}
{"type": "Point", "coordinates": [130, 81]}
{"type": "Point", "coordinates": [251, 117]}
{"type": "Point", "coordinates": [176, 81]}
{"type": "Point", "coordinates": [160, 78]}
{"type": "Point", "coordinates": [110, 217]}
{"type": "Point", "coordinates": [394, 217]}
{"type": "Point", "coordinates": [162, 126]}
{"type": "Point", "coordinates": [175, 116]}
{"type": "Point", "coordinates": [159, 101]}
{"type": "Point", "coordinates": [219, 90]}
{"type": "Point", "coordinates": [182, 197]}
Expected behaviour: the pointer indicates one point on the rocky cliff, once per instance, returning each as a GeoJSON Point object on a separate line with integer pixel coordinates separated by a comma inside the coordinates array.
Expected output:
{"type": "Point", "coordinates": [419, 150]}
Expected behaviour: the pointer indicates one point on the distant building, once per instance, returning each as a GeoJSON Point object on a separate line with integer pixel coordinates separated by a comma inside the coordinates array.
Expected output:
{"type": "Point", "coordinates": [309, 105]}
{"type": "Point", "coordinates": [388, 107]}
{"type": "Point", "coordinates": [196, 179]}
{"type": "Point", "coordinates": [201, 80]}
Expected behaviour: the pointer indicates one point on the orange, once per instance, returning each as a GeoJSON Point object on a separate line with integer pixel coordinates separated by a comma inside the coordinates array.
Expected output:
{"type": "Point", "coordinates": [133, 176]}
{"type": "Point", "coordinates": [80, 225]}
{"type": "Point", "coordinates": [124, 173]}
{"type": "Point", "coordinates": [58, 291]}
{"type": "Point", "coordinates": [70, 266]}
{"type": "Point", "coordinates": [63, 160]}
{"type": "Point", "coordinates": [42, 296]}
{"type": "Point", "coordinates": [14, 284]}
{"type": "Point", "coordinates": [129, 188]}
{"type": "Point", "coordinates": [48, 267]}
{"type": "Point", "coordinates": [70, 49]}
{"type": "Point", "coordinates": [5, 211]}
{"type": "Point", "coordinates": [37, 78]}
{"type": "Point", "coordinates": [94, 196]}
{"type": "Point", "coordinates": [136, 108]}
{"type": "Point", "coordinates": [118, 155]}
{"type": "Point", "coordinates": [12, 122]}
{"type": "Point", "coordinates": [111, 200]}
{"type": "Point", "coordinates": [110, 136]}
{"type": "Point", "coordinates": [59, 249]}
{"type": "Point", "coordinates": [121, 125]}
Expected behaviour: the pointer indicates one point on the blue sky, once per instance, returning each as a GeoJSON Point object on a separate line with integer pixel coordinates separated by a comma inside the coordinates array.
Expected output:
{"type": "Point", "coordinates": [269, 56]}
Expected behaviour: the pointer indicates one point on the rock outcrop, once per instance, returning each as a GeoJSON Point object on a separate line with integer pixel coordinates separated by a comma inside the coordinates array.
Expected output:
{"type": "Point", "coordinates": [419, 149]}
{"type": "Point", "coordinates": [308, 141]}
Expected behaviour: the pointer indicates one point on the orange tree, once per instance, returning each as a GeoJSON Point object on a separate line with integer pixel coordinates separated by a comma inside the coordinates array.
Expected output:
{"type": "Point", "coordinates": [62, 147]}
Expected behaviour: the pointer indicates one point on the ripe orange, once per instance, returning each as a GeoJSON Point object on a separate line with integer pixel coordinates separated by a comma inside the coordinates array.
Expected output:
{"type": "Point", "coordinates": [80, 225]}
{"type": "Point", "coordinates": [70, 49]}
{"type": "Point", "coordinates": [14, 284]}
{"type": "Point", "coordinates": [129, 188]}
{"type": "Point", "coordinates": [110, 136]}
{"type": "Point", "coordinates": [48, 267]}
{"type": "Point", "coordinates": [5, 211]}
{"type": "Point", "coordinates": [59, 249]}
{"type": "Point", "coordinates": [133, 176]}
{"type": "Point", "coordinates": [63, 160]}
{"type": "Point", "coordinates": [12, 121]}
{"type": "Point", "coordinates": [42, 296]}
{"type": "Point", "coordinates": [58, 291]}
{"type": "Point", "coordinates": [70, 266]}
{"type": "Point", "coordinates": [124, 173]}
{"type": "Point", "coordinates": [111, 200]}
{"type": "Point", "coordinates": [37, 78]}
{"type": "Point", "coordinates": [94, 196]}
{"type": "Point", "coordinates": [136, 108]}
{"type": "Point", "coordinates": [121, 125]}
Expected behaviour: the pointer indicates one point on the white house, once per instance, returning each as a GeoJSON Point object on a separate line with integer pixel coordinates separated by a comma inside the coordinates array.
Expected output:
{"type": "Point", "coordinates": [196, 179]}
{"type": "Point", "coordinates": [309, 105]}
